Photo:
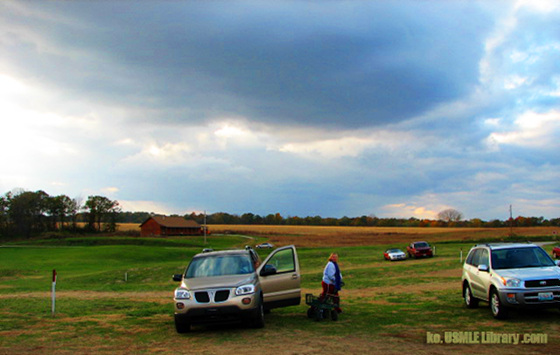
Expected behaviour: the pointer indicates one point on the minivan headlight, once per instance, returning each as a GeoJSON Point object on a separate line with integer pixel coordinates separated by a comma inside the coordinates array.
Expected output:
{"type": "Point", "coordinates": [182, 294]}
{"type": "Point", "coordinates": [245, 290]}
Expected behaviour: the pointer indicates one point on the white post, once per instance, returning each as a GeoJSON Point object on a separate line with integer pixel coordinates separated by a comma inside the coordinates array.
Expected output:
{"type": "Point", "coordinates": [53, 292]}
{"type": "Point", "coordinates": [461, 256]}
{"type": "Point", "coordinates": [126, 276]}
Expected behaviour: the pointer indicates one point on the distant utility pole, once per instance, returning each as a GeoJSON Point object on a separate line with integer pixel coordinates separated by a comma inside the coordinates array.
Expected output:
{"type": "Point", "coordinates": [205, 227]}
{"type": "Point", "coordinates": [510, 221]}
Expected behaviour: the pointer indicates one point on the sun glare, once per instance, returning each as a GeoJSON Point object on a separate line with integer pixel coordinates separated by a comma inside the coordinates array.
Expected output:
{"type": "Point", "coordinates": [228, 131]}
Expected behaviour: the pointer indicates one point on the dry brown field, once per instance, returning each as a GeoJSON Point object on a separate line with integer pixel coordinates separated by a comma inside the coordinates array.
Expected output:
{"type": "Point", "coordinates": [316, 236]}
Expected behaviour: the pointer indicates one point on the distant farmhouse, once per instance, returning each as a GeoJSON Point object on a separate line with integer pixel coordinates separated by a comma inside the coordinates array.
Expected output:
{"type": "Point", "coordinates": [168, 226]}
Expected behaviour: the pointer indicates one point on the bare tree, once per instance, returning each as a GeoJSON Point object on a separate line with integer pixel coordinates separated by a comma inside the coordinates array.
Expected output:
{"type": "Point", "coordinates": [450, 215]}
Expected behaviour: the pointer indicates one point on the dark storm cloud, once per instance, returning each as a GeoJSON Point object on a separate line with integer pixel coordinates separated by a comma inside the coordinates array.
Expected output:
{"type": "Point", "coordinates": [332, 108]}
{"type": "Point", "coordinates": [312, 63]}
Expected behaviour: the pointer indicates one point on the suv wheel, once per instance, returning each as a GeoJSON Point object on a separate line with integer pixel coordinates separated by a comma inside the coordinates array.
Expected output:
{"type": "Point", "coordinates": [470, 301]}
{"type": "Point", "coordinates": [181, 325]}
{"type": "Point", "coordinates": [498, 309]}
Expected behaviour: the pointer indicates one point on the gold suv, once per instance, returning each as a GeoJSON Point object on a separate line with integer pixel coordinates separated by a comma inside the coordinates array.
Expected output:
{"type": "Point", "coordinates": [233, 285]}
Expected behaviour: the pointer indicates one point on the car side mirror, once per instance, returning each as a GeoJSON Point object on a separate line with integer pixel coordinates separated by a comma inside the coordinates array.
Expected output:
{"type": "Point", "coordinates": [268, 270]}
{"type": "Point", "coordinates": [178, 277]}
{"type": "Point", "coordinates": [483, 268]}
{"type": "Point", "coordinates": [557, 263]}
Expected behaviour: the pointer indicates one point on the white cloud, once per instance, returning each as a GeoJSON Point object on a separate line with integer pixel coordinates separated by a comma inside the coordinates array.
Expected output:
{"type": "Point", "coordinates": [493, 122]}
{"type": "Point", "coordinates": [146, 206]}
{"type": "Point", "coordinates": [228, 131]}
{"type": "Point", "coordinates": [111, 190]}
{"type": "Point", "coordinates": [403, 210]}
{"type": "Point", "coordinates": [167, 152]}
{"type": "Point", "coordinates": [531, 129]}
{"type": "Point", "coordinates": [515, 81]}
{"type": "Point", "coordinates": [29, 134]}
{"type": "Point", "coordinates": [487, 178]}
{"type": "Point", "coordinates": [331, 149]}
{"type": "Point", "coordinates": [544, 6]}
{"type": "Point", "coordinates": [487, 67]}
{"type": "Point", "coordinates": [352, 144]}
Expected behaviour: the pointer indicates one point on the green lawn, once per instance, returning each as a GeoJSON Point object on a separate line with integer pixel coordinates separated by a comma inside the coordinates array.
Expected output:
{"type": "Point", "coordinates": [388, 306]}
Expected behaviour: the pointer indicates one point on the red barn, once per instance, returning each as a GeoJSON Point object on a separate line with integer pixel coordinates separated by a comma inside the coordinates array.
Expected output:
{"type": "Point", "coordinates": [167, 226]}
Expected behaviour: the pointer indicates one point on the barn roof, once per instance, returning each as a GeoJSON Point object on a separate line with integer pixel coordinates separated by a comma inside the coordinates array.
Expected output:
{"type": "Point", "coordinates": [173, 222]}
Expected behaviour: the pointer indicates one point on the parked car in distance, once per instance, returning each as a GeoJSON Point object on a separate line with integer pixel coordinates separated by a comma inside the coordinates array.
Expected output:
{"type": "Point", "coordinates": [419, 249]}
{"type": "Point", "coordinates": [556, 252]}
{"type": "Point", "coordinates": [510, 276]}
{"type": "Point", "coordinates": [233, 285]}
{"type": "Point", "coordinates": [394, 254]}
{"type": "Point", "coordinates": [265, 246]}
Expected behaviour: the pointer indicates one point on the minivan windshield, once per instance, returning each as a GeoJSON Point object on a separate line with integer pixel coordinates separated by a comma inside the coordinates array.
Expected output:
{"type": "Point", "coordinates": [220, 265]}
{"type": "Point", "coordinates": [516, 258]}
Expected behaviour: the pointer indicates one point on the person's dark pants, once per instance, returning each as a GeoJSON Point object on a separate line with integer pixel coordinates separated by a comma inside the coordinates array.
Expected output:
{"type": "Point", "coordinates": [331, 291]}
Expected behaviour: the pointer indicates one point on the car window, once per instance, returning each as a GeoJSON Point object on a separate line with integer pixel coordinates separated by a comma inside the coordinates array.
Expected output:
{"type": "Point", "coordinates": [470, 257]}
{"type": "Point", "coordinates": [474, 257]}
{"type": "Point", "coordinates": [543, 258]}
{"type": "Point", "coordinates": [421, 245]}
{"type": "Point", "coordinates": [520, 258]}
{"type": "Point", "coordinates": [484, 258]}
{"type": "Point", "coordinates": [220, 265]}
{"type": "Point", "coordinates": [283, 261]}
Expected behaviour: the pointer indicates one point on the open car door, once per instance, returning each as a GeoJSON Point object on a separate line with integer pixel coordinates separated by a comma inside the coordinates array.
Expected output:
{"type": "Point", "coordinates": [280, 278]}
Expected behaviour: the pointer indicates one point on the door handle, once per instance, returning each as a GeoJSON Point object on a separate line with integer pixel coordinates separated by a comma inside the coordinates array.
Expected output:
{"type": "Point", "coordinates": [294, 276]}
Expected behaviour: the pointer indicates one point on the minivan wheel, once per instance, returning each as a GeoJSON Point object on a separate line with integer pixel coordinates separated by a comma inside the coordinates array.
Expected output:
{"type": "Point", "coordinates": [258, 321]}
{"type": "Point", "coordinates": [498, 309]}
{"type": "Point", "coordinates": [181, 326]}
{"type": "Point", "coordinates": [470, 301]}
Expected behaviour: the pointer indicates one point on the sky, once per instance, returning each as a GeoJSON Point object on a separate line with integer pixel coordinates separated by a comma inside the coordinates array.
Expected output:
{"type": "Point", "coordinates": [331, 108]}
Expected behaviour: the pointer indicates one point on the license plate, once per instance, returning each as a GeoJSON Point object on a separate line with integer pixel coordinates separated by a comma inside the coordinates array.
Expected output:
{"type": "Point", "coordinates": [546, 296]}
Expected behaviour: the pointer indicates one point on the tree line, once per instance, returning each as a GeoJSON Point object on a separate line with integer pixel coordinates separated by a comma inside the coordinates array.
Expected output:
{"type": "Point", "coordinates": [26, 213]}
{"type": "Point", "coordinates": [368, 221]}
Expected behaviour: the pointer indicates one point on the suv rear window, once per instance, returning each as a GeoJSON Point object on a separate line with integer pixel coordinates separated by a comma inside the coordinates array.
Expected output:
{"type": "Point", "coordinates": [220, 265]}
{"type": "Point", "coordinates": [514, 258]}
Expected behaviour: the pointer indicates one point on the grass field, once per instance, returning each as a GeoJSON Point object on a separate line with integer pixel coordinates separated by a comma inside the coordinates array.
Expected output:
{"type": "Point", "coordinates": [388, 307]}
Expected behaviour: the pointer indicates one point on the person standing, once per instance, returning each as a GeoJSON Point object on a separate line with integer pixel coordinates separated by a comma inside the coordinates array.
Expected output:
{"type": "Point", "coordinates": [332, 280]}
